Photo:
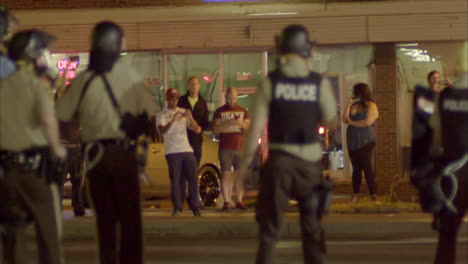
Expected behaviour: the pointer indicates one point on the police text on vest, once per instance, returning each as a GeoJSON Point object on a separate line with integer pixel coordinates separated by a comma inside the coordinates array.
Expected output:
{"type": "Point", "coordinates": [293, 92]}
{"type": "Point", "coordinates": [455, 105]}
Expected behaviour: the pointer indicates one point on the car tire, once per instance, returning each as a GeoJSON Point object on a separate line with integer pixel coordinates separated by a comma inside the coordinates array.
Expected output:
{"type": "Point", "coordinates": [209, 185]}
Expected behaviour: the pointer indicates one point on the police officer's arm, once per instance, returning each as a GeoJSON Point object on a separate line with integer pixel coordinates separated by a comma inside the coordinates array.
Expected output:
{"type": "Point", "coordinates": [328, 110]}
{"type": "Point", "coordinates": [245, 123]}
{"type": "Point", "coordinates": [46, 115]}
{"type": "Point", "coordinates": [371, 115]}
{"type": "Point", "coordinates": [260, 113]}
{"type": "Point", "coordinates": [144, 97]}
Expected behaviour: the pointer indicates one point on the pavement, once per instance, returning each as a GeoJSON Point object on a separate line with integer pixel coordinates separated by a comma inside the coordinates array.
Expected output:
{"type": "Point", "coordinates": [344, 221]}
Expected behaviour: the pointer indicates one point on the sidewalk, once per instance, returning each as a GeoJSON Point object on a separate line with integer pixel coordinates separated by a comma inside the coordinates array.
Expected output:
{"type": "Point", "coordinates": [215, 223]}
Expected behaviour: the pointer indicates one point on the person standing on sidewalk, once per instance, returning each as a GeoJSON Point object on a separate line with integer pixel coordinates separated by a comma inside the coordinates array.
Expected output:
{"type": "Point", "coordinates": [197, 105]}
{"type": "Point", "coordinates": [106, 97]}
{"type": "Point", "coordinates": [231, 121]}
{"type": "Point", "coordinates": [360, 114]}
{"type": "Point", "coordinates": [173, 123]}
{"type": "Point", "coordinates": [29, 138]}
{"type": "Point", "coordinates": [293, 100]}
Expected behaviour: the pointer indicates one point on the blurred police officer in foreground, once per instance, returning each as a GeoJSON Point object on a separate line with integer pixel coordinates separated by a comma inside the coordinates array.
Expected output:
{"type": "Point", "coordinates": [108, 97]}
{"type": "Point", "coordinates": [7, 22]}
{"type": "Point", "coordinates": [442, 176]}
{"type": "Point", "coordinates": [28, 134]}
{"type": "Point", "coordinates": [294, 100]}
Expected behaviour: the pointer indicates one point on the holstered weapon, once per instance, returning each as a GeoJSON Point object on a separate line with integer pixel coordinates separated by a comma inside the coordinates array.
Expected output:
{"type": "Point", "coordinates": [134, 125]}
{"type": "Point", "coordinates": [53, 169]}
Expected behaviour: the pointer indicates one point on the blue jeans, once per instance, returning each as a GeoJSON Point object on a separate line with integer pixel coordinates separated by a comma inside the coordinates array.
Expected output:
{"type": "Point", "coordinates": [183, 168]}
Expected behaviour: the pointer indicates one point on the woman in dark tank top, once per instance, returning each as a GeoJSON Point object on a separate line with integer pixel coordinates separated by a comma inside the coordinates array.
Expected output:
{"type": "Point", "coordinates": [360, 114]}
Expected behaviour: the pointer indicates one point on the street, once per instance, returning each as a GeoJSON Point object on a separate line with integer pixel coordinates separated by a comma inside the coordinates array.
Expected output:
{"type": "Point", "coordinates": [166, 250]}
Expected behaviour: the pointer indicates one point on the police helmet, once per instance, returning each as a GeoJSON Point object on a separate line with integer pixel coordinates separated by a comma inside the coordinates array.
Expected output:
{"type": "Point", "coordinates": [29, 45]}
{"type": "Point", "coordinates": [107, 36]}
{"type": "Point", "coordinates": [294, 39]}
{"type": "Point", "coordinates": [6, 21]}
{"type": "Point", "coordinates": [106, 45]}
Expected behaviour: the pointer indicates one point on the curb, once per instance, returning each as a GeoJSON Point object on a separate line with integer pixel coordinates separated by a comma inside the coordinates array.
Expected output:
{"type": "Point", "coordinates": [227, 225]}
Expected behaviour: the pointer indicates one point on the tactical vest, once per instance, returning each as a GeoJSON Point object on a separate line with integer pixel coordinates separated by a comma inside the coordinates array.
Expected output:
{"type": "Point", "coordinates": [294, 108]}
{"type": "Point", "coordinates": [453, 105]}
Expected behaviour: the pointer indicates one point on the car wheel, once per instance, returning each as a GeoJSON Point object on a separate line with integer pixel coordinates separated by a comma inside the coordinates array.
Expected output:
{"type": "Point", "coordinates": [209, 185]}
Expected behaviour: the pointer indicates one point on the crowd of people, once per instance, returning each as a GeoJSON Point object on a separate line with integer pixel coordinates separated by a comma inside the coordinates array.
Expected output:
{"type": "Point", "coordinates": [112, 106]}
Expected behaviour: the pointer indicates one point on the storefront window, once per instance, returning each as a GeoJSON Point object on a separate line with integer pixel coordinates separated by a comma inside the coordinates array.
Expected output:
{"type": "Point", "coordinates": [243, 71]}
{"type": "Point", "coordinates": [205, 66]}
{"type": "Point", "coordinates": [150, 66]}
{"type": "Point", "coordinates": [414, 62]}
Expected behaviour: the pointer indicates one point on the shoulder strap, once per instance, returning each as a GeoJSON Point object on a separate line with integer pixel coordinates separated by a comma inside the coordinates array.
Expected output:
{"type": "Point", "coordinates": [111, 94]}
{"type": "Point", "coordinates": [83, 92]}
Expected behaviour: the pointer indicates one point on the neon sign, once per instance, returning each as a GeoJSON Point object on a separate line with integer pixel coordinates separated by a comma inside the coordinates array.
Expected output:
{"type": "Point", "coordinates": [72, 63]}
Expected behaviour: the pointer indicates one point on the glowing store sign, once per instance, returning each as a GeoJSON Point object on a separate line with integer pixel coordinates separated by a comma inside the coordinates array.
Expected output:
{"type": "Point", "coordinates": [72, 63]}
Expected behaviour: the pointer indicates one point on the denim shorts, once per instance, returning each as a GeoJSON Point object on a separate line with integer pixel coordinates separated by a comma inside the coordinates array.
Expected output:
{"type": "Point", "coordinates": [229, 159]}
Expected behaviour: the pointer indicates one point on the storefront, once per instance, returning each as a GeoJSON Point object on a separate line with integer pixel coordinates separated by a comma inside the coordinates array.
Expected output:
{"type": "Point", "coordinates": [229, 46]}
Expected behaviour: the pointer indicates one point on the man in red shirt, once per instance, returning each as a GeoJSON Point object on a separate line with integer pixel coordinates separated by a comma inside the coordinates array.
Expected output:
{"type": "Point", "coordinates": [230, 121]}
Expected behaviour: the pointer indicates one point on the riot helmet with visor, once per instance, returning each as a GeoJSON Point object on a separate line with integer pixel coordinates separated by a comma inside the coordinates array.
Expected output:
{"type": "Point", "coordinates": [294, 39]}
{"type": "Point", "coordinates": [106, 46]}
{"type": "Point", "coordinates": [32, 46]}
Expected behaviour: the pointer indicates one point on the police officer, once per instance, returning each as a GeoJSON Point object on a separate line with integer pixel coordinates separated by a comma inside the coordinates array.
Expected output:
{"type": "Point", "coordinates": [7, 21]}
{"type": "Point", "coordinates": [28, 132]}
{"type": "Point", "coordinates": [294, 100]}
{"type": "Point", "coordinates": [104, 97]}
{"type": "Point", "coordinates": [450, 123]}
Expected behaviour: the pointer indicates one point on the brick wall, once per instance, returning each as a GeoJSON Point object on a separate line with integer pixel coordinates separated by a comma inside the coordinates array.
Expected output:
{"type": "Point", "coordinates": [386, 99]}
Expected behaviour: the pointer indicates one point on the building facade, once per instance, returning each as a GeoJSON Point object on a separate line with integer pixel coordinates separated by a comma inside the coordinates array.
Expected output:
{"type": "Point", "coordinates": [391, 45]}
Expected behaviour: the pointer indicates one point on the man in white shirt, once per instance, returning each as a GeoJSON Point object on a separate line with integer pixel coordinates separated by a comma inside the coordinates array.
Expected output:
{"type": "Point", "coordinates": [172, 124]}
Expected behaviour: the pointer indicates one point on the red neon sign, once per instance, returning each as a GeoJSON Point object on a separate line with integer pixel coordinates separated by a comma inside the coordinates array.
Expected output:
{"type": "Point", "coordinates": [72, 66]}
{"type": "Point", "coordinates": [72, 63]}
{"type": "Point", "coordinates": [62, 65]}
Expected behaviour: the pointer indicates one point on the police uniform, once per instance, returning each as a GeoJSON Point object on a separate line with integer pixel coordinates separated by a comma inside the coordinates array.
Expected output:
{"type": "Point", "coordinates": [113, 182]}
{"type": "Point", "coordinates": [24, 102]}
{"type": "Point", "coordinates": [452, 115]}
{"type": "Point", "coordinates": [293, 100]}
